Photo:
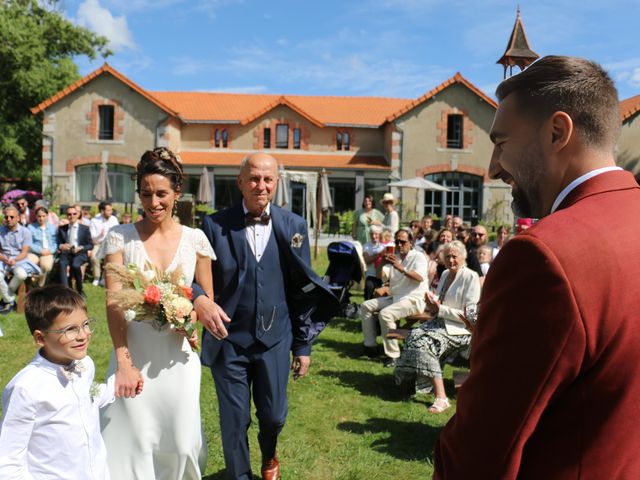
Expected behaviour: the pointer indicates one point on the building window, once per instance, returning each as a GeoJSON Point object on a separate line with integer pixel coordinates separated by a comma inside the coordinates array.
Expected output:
{"type": "Point", "coordinates": [343, 140]}
{"type": "Point", "coordinates": [106, 118]}
{"type": "Point", "coordinates": [282, 136]}
{"type": "Point", "coordinates": [122, 188]}
{"type": "Point", "coordinates": [296, 138]}
{"type": "Point", "coordinates": [454, 131]}
{"type": "Point", "coordinates": [266, 134]}
{"type": "Point", "coordinates": [221, 137]}
{"type": "Point", "coordinates": [463, 200]}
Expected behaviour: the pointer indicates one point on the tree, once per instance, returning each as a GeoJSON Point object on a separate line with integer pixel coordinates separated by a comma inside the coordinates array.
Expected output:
{"type": "Point", "coordinates": [37, 46]}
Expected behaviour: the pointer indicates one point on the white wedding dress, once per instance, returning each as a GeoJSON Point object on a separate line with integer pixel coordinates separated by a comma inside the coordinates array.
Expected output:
{"type": "Point", "coordinates": [158, 434]}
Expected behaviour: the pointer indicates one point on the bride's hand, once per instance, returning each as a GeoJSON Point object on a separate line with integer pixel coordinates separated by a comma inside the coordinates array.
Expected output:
{"type": "Point", "coordinates": [129, 381]}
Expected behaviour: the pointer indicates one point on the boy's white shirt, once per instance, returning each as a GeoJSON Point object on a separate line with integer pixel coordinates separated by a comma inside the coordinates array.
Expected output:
{"type": "Point", "coordinates": [50, 426]}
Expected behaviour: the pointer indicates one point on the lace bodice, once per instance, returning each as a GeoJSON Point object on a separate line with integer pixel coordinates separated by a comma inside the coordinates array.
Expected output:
{"type": "Point", "coordinates": [125, 238]}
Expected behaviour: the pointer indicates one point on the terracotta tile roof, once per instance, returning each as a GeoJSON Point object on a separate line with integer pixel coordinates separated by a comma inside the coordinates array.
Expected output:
{"type": "Point", "coordinates": [289, 160]}
{"type": "Point", "coordinates": [106, 68]}
{"type": "Point", "coordinates": [457, 78]}
{"type": "Point", "coordinates": [629, 107]}
{"type": "Point", "coordinates": [245, 108]}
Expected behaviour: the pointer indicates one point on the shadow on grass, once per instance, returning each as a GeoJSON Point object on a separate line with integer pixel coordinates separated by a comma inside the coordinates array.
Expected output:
{"type": "Point", "coordinates": [404, 440]}
{"type": "Point", "coordinates": [369, 384]}
{"type": "Point", "coordinates": [352, 325]}
{"type": "Point", "coordinates": [343, 349]}
{"type": "Point", "coordinates": [221, 476]}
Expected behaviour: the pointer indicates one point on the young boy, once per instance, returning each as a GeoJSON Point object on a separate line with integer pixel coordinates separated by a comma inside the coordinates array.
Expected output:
{"type": "Point", "coordinates": [485, 257]}
{"type": "Point", "coordinates": [50, 425]}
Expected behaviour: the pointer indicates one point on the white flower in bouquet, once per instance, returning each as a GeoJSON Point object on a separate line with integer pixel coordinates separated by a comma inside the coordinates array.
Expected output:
{"type": "Point", "coordinates": [130, 315]}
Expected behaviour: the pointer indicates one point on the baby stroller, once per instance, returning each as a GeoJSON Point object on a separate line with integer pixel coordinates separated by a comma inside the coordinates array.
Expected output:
{"type": "Point", "coordinates": [343, 272]}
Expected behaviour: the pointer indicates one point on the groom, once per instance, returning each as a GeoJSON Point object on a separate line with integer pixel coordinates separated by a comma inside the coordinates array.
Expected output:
{"type": "Point", "coordinates": [268, 302]}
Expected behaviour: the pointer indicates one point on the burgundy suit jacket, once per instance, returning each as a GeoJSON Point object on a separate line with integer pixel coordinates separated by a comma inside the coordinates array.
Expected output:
{"type": "Point", "coordinates": [554, 390]}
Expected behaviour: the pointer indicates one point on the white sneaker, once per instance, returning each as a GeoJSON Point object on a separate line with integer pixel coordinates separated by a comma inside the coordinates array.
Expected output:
{"type": "Point", "coordinates": [95, 283]}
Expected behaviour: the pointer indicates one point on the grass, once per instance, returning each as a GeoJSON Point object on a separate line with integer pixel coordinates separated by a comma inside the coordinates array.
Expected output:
{"type": "Point", "coordinates": [347, 420]}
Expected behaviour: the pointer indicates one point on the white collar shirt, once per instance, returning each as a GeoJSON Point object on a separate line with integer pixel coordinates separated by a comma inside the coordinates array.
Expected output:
{"type": "Point", "coordinates": [45, 239]}
{"type": "Point", "coordinates": [578, 181]}
{"type": "Point", "coordinates": [258, 234]}
{"type": "Point", "coordinates": [50, 425]}
{"type": "Point", "coordinates": [402, 286]}
{"type": "Point", "coordinates": [73, 234]}
{"type": "Point", "coordinates": [100, 227]}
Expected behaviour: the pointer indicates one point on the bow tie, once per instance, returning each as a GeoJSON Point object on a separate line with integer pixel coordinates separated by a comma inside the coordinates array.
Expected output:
{"type": "Point", "coordinates": [74, 368]}
{"type": "Point", "coordinates": [263, 219]}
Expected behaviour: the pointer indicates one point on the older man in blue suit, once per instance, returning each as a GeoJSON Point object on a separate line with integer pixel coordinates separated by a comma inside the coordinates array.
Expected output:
{"type": "Point", "coordinates": [268, 303]}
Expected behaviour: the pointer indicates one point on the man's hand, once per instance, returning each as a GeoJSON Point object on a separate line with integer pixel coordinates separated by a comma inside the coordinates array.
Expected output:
{"type": "Point", "coordinates": [211, 316]}
{"type": "Point", "coordinates": [391, 259]}
{"type": "Point", "coordinates": [300, 366]}
{"type": "Point", "coordinates": [381, 292]}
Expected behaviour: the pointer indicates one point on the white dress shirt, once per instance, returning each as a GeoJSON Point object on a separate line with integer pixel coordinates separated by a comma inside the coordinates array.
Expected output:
{"type": "Point", "coordinates": [567, 190]}
{"type": "Point", "coordinates": [73, 234]}
{"type": "Point", "coordinates": [50, 425]}
{"type": "Point", "coordinates": [258, 234]}
{"type": "Point", "coordinates": [400, 285]}
{"type": "Point", "coordinates": [100, 227]}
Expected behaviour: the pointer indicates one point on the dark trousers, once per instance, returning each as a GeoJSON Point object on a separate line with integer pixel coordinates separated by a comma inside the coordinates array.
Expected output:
{"type": "Point", "coordinates": [238, 373]}
{"type": "Point", "coordinates": [75, 262]}
{"type": "Point", "coordinates": [370, 284]}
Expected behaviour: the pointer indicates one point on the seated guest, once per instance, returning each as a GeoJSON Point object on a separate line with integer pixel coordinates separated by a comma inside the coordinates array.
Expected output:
{"type": "Point", "coordinates": [52, 217]}
{"type": "Point", "coordinates": [126, 218]}
{"type": "Point", "coordinates": [85, 218]}
{"type": "Point", "coordinates": [404, 296]}
{"type": "Point", "coordinates": [99, 227]}
{"type": "Point", "coordinates": [430, 344]}
{"type": "Point", "coordinates": [15, 241]}
{"type": "Point", "coordinates": [427, 226]}
{"type": "Point", "coordinates": [26, 214]}
{"type": "Point", "coordinates": [371, 252]}
{"type": "Point", "coordinates": [485, 257]}
{"type": "Point", "coordinates": [74, 243]}
{"type": "Point", "coordinates": [502, 236]}
{"type": "Point", "coordinates": [416, 232]}
{"type": "Point", "coordinates": [43, 244]}
{"type": "Point", "coordinates": [445, 235]}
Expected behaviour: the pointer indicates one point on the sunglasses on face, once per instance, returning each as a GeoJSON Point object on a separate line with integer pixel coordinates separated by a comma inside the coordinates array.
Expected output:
{"type": "Point", "coordinates": [402, 242]}
{"type": "Point", "coordinates": [475, 234]}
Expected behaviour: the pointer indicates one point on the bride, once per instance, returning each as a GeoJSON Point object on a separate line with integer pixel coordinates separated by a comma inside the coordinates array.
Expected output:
{"type": "Point", "coordinates": [157, 434]}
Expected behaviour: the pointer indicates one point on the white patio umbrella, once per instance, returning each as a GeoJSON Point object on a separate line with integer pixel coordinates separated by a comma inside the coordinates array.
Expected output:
{"type": "Point", "coordinates": [419, 184]}
{"type": "Point", "coordinates": [204, 189]}
{"type": "Point", "coordinates": [326, 201]}
{"type": "Point", "coordinates": [102, 190]}
{"type": "Point", "coordinates": [282, 192]}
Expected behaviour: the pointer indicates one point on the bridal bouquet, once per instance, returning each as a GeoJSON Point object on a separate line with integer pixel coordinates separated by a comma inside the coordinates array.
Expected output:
{"type": "Point", "coordinates": [153, 294]}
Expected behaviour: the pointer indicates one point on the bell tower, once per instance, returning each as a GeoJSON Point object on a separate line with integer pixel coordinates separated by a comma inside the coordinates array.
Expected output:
{"type": "Point", "coordinates": [518, 51]}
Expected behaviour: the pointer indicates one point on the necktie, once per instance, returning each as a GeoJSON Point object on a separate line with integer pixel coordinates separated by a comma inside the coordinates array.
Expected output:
{"type": "Point", "coordinates": [74, 368]}
{"type": "Point", "coordinates": [263, 219]}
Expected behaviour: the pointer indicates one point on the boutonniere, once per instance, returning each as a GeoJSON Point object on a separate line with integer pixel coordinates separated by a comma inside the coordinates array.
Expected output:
{"type": "Point", "coordinates": [296, 240]}
{"type": "Point", "coordinates": [94, 391]}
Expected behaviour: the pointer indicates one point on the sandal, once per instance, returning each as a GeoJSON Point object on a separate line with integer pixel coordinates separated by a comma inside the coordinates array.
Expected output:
{"type": "Point", "coordinates": [439, 405]}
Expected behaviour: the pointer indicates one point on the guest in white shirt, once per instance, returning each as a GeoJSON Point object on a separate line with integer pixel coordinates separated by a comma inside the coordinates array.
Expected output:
{"type": "Point", "coordinates": [371, 252]}
{"type": "Point", "coordinates": [100, 226]}
{"type": "Point", "coordinates": [404, 296]}
{"type": "Point", "coordinates": [50, 425]}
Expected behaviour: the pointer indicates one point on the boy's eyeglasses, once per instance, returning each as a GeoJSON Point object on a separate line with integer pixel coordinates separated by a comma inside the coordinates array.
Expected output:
{"type": "Point", "coordinates": [71, 333]}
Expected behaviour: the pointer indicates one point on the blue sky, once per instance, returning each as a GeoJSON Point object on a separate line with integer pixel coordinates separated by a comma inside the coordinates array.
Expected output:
{"type": "Point", "coordinates": [386, 48]}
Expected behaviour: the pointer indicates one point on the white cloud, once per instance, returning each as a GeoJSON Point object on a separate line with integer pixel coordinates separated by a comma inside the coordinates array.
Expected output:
{"type": "Point", "coordinates": [100, 20]}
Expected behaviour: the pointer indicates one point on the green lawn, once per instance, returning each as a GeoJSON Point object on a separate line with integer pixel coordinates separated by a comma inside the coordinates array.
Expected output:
{"type": "Point", "coordinates": [346, 419]}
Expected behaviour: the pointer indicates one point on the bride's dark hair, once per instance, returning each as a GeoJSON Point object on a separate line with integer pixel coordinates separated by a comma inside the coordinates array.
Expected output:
{"type": "Point", "coordinates": [161, 161]}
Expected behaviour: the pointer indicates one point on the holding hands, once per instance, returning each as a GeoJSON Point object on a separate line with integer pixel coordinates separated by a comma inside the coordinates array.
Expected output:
{"type": "Point", "coordinates": [433, 305]}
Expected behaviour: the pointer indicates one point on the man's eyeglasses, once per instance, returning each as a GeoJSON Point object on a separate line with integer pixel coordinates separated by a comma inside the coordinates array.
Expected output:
{"type": "Point", "coordinates": [11, 217]}
{"type": "Point", "coordinates": [402, 242]}
{"type": "Point", "coordinates": [72, 214]}
{"type": "Point", "coordinates": [71, 333]}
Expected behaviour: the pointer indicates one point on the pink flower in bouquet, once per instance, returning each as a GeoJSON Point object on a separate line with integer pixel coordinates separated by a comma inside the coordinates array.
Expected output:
{"type": "Point", "coordinates": [152, 295]}
{"type": "Point", "coordinates": [188, 291]}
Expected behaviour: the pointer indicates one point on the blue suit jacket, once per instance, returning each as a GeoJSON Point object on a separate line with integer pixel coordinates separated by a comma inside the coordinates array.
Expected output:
{"type": "Point", "coordinates": [311, 304]}
{"type": "Point", "coordinates": [84, 236]}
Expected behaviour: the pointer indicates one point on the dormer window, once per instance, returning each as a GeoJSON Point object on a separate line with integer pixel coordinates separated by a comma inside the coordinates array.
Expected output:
{"type": "Point", "coordinates": [221, 138]}
{"type": "Point", "coordinates": [343, 140]}
{"type": "Point", "coordinates": [282, 135]}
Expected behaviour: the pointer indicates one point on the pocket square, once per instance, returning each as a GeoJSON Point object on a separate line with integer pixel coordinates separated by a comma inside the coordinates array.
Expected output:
{"type": "Point", "coordinates": [296, 240]}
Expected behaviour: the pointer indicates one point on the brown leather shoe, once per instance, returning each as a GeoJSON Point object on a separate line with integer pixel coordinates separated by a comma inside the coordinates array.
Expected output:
{"type": "Point", "coordinates": [270, 468]}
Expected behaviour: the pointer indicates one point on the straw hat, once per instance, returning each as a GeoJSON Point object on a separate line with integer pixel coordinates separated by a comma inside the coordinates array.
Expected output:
{"type": "Point", "coordinates": [387, 197]}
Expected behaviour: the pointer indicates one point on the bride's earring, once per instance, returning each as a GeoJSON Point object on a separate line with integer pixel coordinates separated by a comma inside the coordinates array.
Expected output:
{"type": "Point", "coordinates": [174, 211]}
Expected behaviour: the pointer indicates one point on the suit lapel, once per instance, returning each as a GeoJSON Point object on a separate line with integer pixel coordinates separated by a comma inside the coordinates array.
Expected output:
{"type": "Point", "coordinates": [608, 181]}
{"type": "Point", "coordinates": [238, 237]}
